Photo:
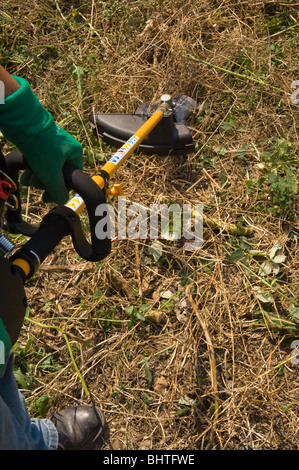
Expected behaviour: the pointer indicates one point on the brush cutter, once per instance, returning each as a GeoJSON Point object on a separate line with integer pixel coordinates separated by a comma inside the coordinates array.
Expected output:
{"type": "Point", "coordinates": [160, 130]}
{"type": "Point", "coordinates": [170, 137]}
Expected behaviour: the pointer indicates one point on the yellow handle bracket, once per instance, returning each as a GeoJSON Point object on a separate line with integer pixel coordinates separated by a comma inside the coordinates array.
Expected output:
{"type": "Point", "coordinates": [116, 190]}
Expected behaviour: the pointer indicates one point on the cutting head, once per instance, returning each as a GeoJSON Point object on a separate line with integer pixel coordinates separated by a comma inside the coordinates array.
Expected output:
{"type": "Point", "coordinates": [171, 136]}
{"type": "Point", "coordinates": [183, 108]}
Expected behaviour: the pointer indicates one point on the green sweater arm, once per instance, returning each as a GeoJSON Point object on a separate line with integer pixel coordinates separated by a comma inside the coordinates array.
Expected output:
{"type": "Point", "coordinates": [46, 146]}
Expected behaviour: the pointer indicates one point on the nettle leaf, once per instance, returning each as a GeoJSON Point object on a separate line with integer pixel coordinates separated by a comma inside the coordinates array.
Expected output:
{"type": "Point", "coordinates": [275, 268]}
{"type": "Point", "coordinates": [129, 309]}
{"type": "Point", "coordinates": [276, 254]}
{"type": "Point", "coordinates": [275, 250]}
{"type": "Point", "coordinates": [279, 258]}
{"type": "Point", "coordinates": [167, 294]}
{"type": "Point", "coordinates": [264, 297]}
{"type": "Point", "coordinates": [140, 316]}
{"type": "Point", "coordinates": [257, 254]}
{"type": "Point", "coordinates": [235, 255]}
{"type": "Point", "coordinates": [294, 311]}
{"type": "Point", "coordinates": [144, 307]}
{"type": "Point", "coordinates": [265, 269]}
{"type": "Point", "coordinates": [242, 152]}
{"type": "Point", "coordinates": [156, 249]}
{"type": "Point", "coordinates": [220, 150]}
{"type": "Point", "coordinates": [187, 401]}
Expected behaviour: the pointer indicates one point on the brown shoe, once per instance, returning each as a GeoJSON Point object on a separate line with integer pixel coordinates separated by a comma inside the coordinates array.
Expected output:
{"type": "Point", "coordinates": [78, 427]}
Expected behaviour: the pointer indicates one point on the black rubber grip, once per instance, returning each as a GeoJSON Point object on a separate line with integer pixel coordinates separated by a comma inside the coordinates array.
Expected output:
{"type": "Point", "coordinates": [61, 221]}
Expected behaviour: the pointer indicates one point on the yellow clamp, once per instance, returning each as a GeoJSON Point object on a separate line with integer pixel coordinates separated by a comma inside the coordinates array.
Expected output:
{"type": "Point", "coordinates": [116, 190]}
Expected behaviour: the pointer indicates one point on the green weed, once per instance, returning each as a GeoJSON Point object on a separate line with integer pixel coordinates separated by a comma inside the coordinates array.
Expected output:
{"type": "Point", "coordinates": [280, 176]}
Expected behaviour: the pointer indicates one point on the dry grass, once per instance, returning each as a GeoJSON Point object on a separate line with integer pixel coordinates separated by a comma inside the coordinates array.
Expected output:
{"type": "Point", "coordinates": [216, 372]}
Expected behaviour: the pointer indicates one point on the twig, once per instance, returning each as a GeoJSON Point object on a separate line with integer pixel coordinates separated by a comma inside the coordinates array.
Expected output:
{"type": "Point", "coordinates": [210, 348]}
{"type": "Point", "coordinates": [59, 10]}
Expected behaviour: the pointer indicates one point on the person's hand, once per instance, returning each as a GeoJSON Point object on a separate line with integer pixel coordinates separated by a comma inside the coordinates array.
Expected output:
{"type": "Point", "coordinates": [46, 155]}
{"type": "Point", "coordinates": [45, 145]}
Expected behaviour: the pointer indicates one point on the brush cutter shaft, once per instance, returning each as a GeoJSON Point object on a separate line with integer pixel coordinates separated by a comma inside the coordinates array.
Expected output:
{"type": "Point", "coordinates": [128, 148]}
{"type": "Point", "coordinates": [118, 158]}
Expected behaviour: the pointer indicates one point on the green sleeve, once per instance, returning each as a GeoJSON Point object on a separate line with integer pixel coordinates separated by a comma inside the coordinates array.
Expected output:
{"type": "Point", "coordinates": [22, 115]}
{"type": "Point", "coordinates": [46, 146]}
{"type": "Point", "coordinates": [5, 345]}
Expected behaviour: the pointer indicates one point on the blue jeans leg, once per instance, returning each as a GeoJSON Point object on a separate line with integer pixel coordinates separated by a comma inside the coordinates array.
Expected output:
{"type": "Point", "coordinates": [17, 430]}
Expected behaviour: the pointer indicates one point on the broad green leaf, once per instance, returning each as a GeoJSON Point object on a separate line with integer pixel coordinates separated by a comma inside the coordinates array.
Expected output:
{"type": "Point", "coordinates": [295, 313]}
{"type": "Point", "coordinates": [156, 249]}
{"type": "Point", "coordinates": [265, 269]}
{"type": "Point", "coordinates": [264, 297]}
{"type": "Point", "coordinates": [280, 258]}
{"type": "Point", "coordinates": [235, 255]}
{"type": "Point", "coordinates": [274, 251]}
